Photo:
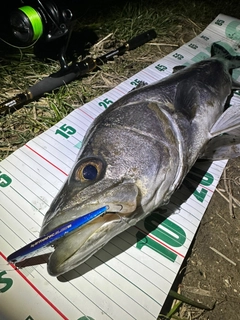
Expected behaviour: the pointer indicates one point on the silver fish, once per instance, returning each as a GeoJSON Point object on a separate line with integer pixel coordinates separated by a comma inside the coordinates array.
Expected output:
{"type": "Point", "coordinates": [138, 151]}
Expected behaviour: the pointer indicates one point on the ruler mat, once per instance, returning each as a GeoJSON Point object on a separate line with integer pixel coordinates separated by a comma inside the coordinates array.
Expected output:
{"type": "Point", "coordinates": [131, 276]}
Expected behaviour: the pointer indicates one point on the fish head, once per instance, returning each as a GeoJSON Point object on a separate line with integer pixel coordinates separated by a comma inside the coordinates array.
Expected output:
{"type": "Point", "coordinates": [116, 167]}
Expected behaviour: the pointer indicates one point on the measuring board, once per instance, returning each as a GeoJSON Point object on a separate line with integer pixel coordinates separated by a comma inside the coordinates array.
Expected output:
{"type": "Point", "coordinates": [131, 276]}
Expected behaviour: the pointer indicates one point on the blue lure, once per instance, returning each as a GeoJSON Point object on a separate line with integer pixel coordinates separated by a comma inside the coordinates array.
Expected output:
{"type": "Point", "coordinates": [48, 239]}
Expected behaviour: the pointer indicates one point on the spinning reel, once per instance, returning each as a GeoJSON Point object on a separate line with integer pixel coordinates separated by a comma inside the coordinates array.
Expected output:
{"type": "Point", "coordinates": [44, 24]}
{"type": "Point", "coordinates": [41, 19]}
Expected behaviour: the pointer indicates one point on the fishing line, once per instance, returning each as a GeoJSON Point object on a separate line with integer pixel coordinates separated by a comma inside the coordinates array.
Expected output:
{"type": "Point", "coordinates": [18, 47]}
{"type": "Point", "coordinates": [8, 268]}
{"type": "Point", "coordinates": [121, 218]}
{"type": "Point", "coordinates": [31, 15]}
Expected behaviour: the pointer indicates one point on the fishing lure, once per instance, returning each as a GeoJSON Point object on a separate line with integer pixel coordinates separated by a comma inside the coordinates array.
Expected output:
{"type": "Point", "coordinates": [48, 239]}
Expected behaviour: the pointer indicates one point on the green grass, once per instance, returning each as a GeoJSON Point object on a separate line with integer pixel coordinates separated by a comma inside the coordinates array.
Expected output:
{"type": "Point", "coordinates": [175, 23]}
{"type": "Point", "coordinates": [20, 68]}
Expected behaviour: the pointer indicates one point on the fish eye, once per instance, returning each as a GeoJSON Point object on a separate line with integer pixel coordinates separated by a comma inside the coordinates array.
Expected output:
{"type": "Point", "coordinates": [89, 170]}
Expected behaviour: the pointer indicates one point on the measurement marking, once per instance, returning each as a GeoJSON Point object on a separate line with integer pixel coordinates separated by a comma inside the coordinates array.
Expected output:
{"type": "Point", "coordinates": [33, 172]}
{"type": "Point", "coordinates": [116, 88]}
{"type": "Point", "coordinates": [31, 204]}
{"type": "Point", "coordinates": [149, 75]}
{"type": "Point", "coordinates": [52, 164]}
{"type": "Point", "coordinates": [86, 113]}
{"type": "Point", "coordinates": [206, 188]}
{"type": "Point", "coordinates": [155, 260]}
{"type": "Point", "coordinates": [35, 288]}
{"type": "Point", "coordinates": [162, 243]}
{"type": "Point", "coordinates": [132, 283]}
{"type": "Point", "coordinates": [42, 168]}
{"type": "Point", "coordinates": [137, 271]}
{"type": "Point", "coordinates": [20, 182]}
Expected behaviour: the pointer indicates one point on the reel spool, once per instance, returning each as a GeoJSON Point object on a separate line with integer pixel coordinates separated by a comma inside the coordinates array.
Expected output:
{"type": "Point", "coordinates": [43, 20]}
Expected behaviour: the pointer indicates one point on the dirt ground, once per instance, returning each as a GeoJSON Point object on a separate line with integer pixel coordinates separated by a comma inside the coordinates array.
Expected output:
{"type": "Point", "coordinates": [211, 273]}
{"type": "Point", "coordinates": [208, 277]}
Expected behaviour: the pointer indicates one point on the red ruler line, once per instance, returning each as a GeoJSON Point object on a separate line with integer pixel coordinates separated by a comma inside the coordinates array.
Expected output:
{"type": "Point", "coordinates": [116, 88]}
{"type": "Point", "coordinates": [149, 75]}
{"type": "Point", "coordinates": [35, 289]}
{"type": "Point", "coordinates": [162, 243]}
{"type": "Point", "coordinates": [52, 164]}
{"type": "Point", "coordinates": [85, 113]}
{"type": "Point", "coordinates": [204, 187]}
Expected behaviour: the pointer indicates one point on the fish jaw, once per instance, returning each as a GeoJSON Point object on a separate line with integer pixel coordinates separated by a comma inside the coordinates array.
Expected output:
{"type": "Point", "coordinates": [82, 244]}
{"type": "Point", "coordinates": [75, 248]}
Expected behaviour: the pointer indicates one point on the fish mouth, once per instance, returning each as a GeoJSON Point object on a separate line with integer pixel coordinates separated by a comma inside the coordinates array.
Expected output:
{"type": "Point", "coordinates": [76, 247]}
{"type": "Point", "coordinates": [67, 216]}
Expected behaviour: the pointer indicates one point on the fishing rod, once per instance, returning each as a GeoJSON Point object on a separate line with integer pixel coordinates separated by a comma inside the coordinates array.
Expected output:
{"type": "Point", "coordinates": [72, 72]}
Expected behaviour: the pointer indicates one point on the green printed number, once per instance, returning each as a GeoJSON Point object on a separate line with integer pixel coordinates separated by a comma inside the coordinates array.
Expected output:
{"type": "Point", "coordinates": [193, 46]}
{"type": "Point", "coordinates": [233, 30]}
{"type": "Point", "coordinates": [65, 131]}
{"type": "Point", "coordinates": [178, 56]}
{"type": "Point", "coordinates": [160, 67]}
{"type": "Point", "coordinates": [5, 180]}
{"type": "Point", "coordinates": [167, 231]}
{"type": "Point", "coordinates": [6, 282]}
{"type": "Point", "coordinates": [219, 22]}
{"type": "Point", "coordinates": [205, 38]}
{"type": "Point", "coordinates": [105, 103]}
{"type": "Point", "coordinates": [135, 82]}
{"type": "Point", "coordinates": [206, 181]}
{"type": "Point", "coordinates": [199, 195]}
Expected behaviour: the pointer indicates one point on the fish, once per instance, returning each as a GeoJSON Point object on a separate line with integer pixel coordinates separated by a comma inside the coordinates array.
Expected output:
{"type": "Point", "coordinates": [137, 152]}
